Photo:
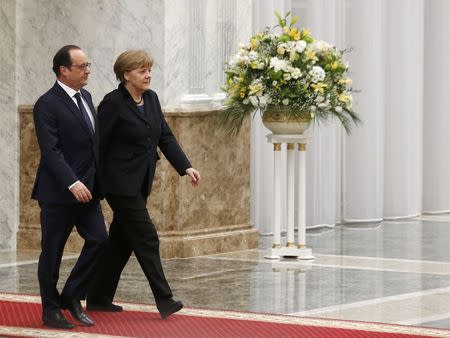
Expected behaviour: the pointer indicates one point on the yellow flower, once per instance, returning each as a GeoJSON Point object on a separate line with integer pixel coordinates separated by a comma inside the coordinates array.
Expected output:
{"type": "Point", "coordinates": [319, 87]}
{"type": "Point", "coordinates": [254, 65]}
{"type": "Point", "coordinates": [344, 98]}
{"type": "Point", "coordinates": [286, 30]}
{"type": "Point", "coordinates": [242, 93]}
{"type": "Point", "coordinates": [306, 33]}
{"type": "Point", "coordinates": [293, 32]}
{"type": "Point", "coordinates": [235, 89]}
{"type": "Point", "coordinates": [254, 43]}
{"type": "Point", "coordinates": [293, 56]}
{"type": "Point", "coordinates": [281, 50]}
{"type": "Point", "coordinates": [345, 82]}
{"type": "Point", "coordinates": [310, 55]}
{"type": "Point", "coordinates": [297, 36]}
{"type": "Point", "coordinates": [255, 88]}
{"type": "Point", "coordinates": [334, 65]}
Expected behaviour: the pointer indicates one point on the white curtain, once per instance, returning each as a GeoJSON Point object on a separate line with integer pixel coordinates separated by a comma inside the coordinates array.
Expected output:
{"type": "Point", "coordinates": [397, 163]}
{"type": "Point", "coordinates": [363, 160]}
{"type": "Point", "coordinates": [436, 117]}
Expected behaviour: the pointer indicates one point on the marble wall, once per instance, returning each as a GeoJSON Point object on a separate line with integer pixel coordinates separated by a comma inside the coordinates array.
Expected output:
{"type": "Point", "coordinates": [185, 37]}
{"type": "Point", "coordinates": [32, 31]}
{"type": "Point", "coordinates": [102, 28]}
{"type": "Point", "coordinates": [9, 173]}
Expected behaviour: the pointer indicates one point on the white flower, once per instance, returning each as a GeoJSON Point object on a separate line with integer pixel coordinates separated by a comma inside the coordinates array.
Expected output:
{"type": "Point", "coordinates": [278, 64]}
{"type": "Point", "coordinates": [320, 99]}
{"type": "Point", "coordinates": [256, 88]}
{"type": "Point", "coordinates": [317, 74]}
{"type": "Point", "coordinates": [300, 46]}
{"type": "Point", "coordinates": [287, 76]}
{"type": "Point", "coordinates": [239, 58]}
{"type": "Point", "coordinates": [312, 108]}
{"type": "Point", "coordinates": [296, 73]}
{"type": "Point", "coordinates": [285, 102]}
{"type": "Point", "coordinates": [253, 100]}
{"type": "Point", "coordinates": [338, 109]}
{"type": "Point", "coordinates": [252, 56]}
{"type": "Point", "coordinates": [274, 83]}
{"type": "Point", "coordinates": [265, 100]}
{"type": "Point", "coordinates": [320, 46]}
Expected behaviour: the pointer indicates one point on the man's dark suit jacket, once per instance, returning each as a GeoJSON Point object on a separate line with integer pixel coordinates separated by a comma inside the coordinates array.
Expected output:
{"type": "Point", "coordinates": [128, 143]}
{"type": "Point", "coordinates": [66, 156]}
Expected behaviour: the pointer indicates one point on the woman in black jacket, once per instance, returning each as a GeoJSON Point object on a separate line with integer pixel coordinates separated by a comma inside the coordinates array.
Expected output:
{"type": "Point", "coordinates": [131, 127]}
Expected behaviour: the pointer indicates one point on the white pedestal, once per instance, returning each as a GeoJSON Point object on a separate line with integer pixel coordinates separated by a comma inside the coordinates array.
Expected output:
{"type": "Point", "coordinates": [292, 249]}
{"type": "Point", "coordinates": [284, 252]}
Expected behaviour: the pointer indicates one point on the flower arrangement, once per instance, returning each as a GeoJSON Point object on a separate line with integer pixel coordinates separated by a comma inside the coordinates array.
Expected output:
{"type": "Point", "coordinates": [288, 69]}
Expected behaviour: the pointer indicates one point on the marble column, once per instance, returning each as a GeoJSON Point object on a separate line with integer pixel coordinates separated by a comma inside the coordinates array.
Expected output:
{"type": "Point", "coordinates": [9, 192]}
{"type": "Point", "coordinates": [196, 94]}
{"type": "Point", "coordinates": [226, 42]}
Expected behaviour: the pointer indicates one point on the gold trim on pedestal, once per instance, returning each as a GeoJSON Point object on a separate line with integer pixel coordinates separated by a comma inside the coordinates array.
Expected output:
{"type": "Point", "coordinates": [302, 246]}
{"type": "Point", "coordinates": [290, 146]}
{"type": "Point", "coordinates": [302, 146]}
{"type": "Point", "coordinates": [290, 245]}
{"type": "Point", "coordinates": [277, 146]}
{"type": "Point", "coordinates": [276, 246]}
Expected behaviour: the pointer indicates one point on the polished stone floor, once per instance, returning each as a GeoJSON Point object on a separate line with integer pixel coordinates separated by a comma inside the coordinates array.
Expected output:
{"type": "Point", "coordinates": [390, 272]}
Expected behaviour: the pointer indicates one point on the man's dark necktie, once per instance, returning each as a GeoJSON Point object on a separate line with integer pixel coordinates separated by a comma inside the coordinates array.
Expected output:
{"type": "Point", "coordinates": [84, 112]}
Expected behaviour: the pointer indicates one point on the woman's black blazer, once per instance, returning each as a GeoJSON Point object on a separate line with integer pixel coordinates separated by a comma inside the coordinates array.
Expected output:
{"type": "Point", "coordinates": [128, 143]}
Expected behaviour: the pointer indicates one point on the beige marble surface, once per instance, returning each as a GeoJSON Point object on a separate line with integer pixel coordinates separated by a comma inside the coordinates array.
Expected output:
{"type": "Point", "coordinates": [212, 218]}
{"type": "Point", "coordinates": [9, 168]}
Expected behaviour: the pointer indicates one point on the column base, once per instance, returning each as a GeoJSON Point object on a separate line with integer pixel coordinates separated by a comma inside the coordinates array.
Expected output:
{"type": "Point", "coordinates": [206, 242]}
{"type": "Point", "coordinates": [290, 252]}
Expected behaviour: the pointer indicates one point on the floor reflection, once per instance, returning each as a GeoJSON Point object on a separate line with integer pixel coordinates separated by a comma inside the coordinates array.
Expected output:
{"type": "Point", "coordinates": [392, 272]}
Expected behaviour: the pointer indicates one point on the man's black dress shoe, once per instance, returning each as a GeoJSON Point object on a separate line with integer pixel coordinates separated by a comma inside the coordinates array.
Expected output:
{"type": "Point", "coordinates": [103, 307]}
{"type": "Point", "coordinates": [78, 313]}
{"type": "Point", "coordinates": [57, 320]}
{"type": "Point", "coordinates": [168, 306]}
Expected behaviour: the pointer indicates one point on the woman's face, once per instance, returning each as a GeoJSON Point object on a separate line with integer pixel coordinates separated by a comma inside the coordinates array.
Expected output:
{"type": "Point", "coordinates": [139, 78]}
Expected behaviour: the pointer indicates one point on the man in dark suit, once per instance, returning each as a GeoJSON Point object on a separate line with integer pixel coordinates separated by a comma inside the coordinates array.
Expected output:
{"type": "Point", "coordinates": [67, 187]}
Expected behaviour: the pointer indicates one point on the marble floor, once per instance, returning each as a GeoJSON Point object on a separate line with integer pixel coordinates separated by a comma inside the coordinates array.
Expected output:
{"type": "Point", "coordinates": [391, 272]}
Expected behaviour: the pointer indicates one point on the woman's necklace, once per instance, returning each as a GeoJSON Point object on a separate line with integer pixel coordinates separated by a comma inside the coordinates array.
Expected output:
{"type": "Point", "coordinates": [138, 102]}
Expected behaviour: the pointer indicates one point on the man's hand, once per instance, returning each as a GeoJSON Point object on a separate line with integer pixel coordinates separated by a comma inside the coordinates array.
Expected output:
{"type": "Point", "coordinates": [194, 175]}
{"type": "Point", "coordinates": [81, 193]}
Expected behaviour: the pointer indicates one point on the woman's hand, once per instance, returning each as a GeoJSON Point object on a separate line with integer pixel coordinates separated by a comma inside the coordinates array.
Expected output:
{"type": "Point", "coordinates": [194, 175]}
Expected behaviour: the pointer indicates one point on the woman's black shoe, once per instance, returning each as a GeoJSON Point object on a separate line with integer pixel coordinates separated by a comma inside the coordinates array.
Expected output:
{"type": "Point", "coordinates": [168, 306]}
{"type": "Point", "coordinates": [103, 307]}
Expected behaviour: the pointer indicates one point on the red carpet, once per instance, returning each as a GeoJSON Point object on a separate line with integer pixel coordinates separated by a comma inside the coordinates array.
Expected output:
{"type": "Point", "coordinates": [20, 316]}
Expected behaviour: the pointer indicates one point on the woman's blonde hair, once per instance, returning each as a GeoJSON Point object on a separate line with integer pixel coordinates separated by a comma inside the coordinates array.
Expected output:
{"type": "Point", "coordinates": [129, 60]}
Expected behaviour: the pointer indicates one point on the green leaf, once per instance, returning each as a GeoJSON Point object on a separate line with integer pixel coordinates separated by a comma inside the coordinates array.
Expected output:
{"type": "Point", "coordinates": [284, 38]}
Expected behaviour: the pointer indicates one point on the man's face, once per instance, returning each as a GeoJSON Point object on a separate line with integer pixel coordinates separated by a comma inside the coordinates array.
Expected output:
{"type": "Point", "coordinates": [76, 76]}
